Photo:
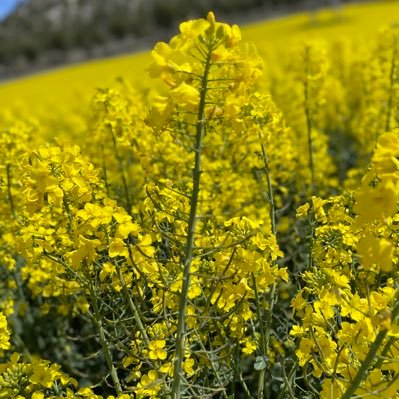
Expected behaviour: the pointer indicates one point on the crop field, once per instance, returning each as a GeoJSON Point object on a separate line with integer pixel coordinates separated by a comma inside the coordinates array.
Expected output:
{"type": "Point", "coordinates": [216, 218]}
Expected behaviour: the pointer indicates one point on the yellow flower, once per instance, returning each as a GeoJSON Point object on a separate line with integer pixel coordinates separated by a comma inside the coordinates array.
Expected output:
{"type": "Point", "coordinates": [249, 348]}
{"type": "Point", "coordinates": [161, 111]}
{"type": "Point", "coordinates": [317, 207]}
{"type": "Point", "coordinates": [86, 250]}
{"type": "Point", "coordinates": [188, 366]}
{"type": "Point", "coordinates": [298, 302]}
{"type": "Point", "coordinates": [373, 250]}
{"type": "Point", "coordinates": [156, 349]}
{"type": "Point", "coordinates": [195, 288]}
{"type": "Point", "coordinates": [160, 55]}
{"type": "Point", "coordinates": [185, 94]}
{"type": "Point", "coordinates": [260, 241]}
{"type": "Point", "coordinates": [306, 347]}
{"type": "Point", "coordinates": [376, 202]}
{"type": "Point", "coordinates": [145, 240]}
{"type": "Point", "coordinates": [42, 375]}
{"type": "Point", "coordinates": [108, 269]}
{"type": "Point", "coordinates": [125, 225]}
{"type": "Point", "coordinates": [118, 248]}
{"type": "Point", "coordinates": [167, 368]}
{"type": "Point", "coordinates": [386, 155]}
{"type": "Point", "coordinates": [192, 29]}
{"type": "Point", "coordinates": [149, 384]}
{"type": "Point", "coordinates": [332, 389]}
{"type": "Point", "coordinates": [87, 393]}
{"type": "Point", "coordinates": [96, 214]}
{"type": "Point", "coordinates": [302, 210]}
{"type": "Point", "coordinates": [298, 331]}
{"type": "Point", "coordinates": [233, 35]}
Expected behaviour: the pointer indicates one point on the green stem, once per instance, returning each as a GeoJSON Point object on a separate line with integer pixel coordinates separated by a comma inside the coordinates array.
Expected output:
{"type": "Point", "coordinates": [365, 365]}
{"type": "Point", "coordinates": [123, 176]}
{"type": "Point", "coordinates": [103, 341]}
{"type": "Point", "coordinates": [309, 125]}
{"type": "Point", "coordinates": [263, 342]}
{"type": "Point", "coordinates": [132, 306]}
{"type": "Point", "coordinates": [269, 186]}
{"type": "Point", "coordinates": [244, 386]}
{"type": "Point", "coordinates": [384, 352]}
{"type": "Point", "coordinates": [238, 376]}
{"type": "Point", "coordinates": [266, 334]}
{"type": "Point", "coordinates": [311, 241]}
{"type": "Point", "coordinates": [181, 324]}
{"type": "Point", "coordinates": [105, 171]}
{"type": "Point", "coordinates": [288, 382]}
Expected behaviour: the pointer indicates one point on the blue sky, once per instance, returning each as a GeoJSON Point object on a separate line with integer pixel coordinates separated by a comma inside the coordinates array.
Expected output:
{"type": "Point", "coordinates": [6, 6]}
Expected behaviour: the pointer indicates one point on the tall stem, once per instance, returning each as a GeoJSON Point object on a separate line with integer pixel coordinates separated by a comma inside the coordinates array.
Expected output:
{"type": "Point", "coordinates": [311, 239]}
{"type": "Point", "coordinates": [265, 334]}
{"type": "Point", "coordinates": [263, 345]}
{"type": "Point", "coordinates": [309, 124]}
{"type": "Point", "coordinates": [123, 175]}
{"type": "Point", "coordinates": [269, 186]}
{"type": "Point", "coordinates": [132, 306]}
{"type": "Point", "coordinates": [103, 341]}
{"type": "Point", "coordinates": [181, 324]}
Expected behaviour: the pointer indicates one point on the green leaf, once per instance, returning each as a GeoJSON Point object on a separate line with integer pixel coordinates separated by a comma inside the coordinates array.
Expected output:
{"type": "Point", "coordinates": [260, 362]}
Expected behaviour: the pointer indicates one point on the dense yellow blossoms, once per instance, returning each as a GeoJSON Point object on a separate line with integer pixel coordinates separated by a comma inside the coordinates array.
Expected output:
{"type": "Point", "coordinates": [225, 235]}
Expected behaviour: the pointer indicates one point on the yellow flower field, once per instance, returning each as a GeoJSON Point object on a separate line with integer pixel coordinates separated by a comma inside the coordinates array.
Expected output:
{"type": "Point", "coordinates": [360, 22]}
{"type": "Point", "coordinates": [216, 218]}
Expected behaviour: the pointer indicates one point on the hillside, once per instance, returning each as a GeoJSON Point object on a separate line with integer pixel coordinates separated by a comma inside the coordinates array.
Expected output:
{"type": "Point", "coordinates": [355, 21]}
{"type": "Point", "coordinates": [45, 33]}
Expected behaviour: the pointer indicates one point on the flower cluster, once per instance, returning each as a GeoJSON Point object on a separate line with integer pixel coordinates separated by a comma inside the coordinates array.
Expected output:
{"type": "Point", "coordinates": [349, 304]}
{"type": "Point", "coordinates": [222, 234]}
